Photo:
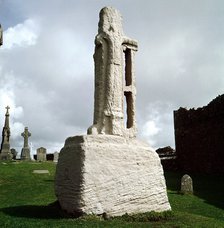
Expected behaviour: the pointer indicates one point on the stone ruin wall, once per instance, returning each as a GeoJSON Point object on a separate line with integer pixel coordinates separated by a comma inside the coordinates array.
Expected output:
{"type": "Point", "coordinates": [168, 158]}
{"type": "Point", "coordinates": [199, 137]}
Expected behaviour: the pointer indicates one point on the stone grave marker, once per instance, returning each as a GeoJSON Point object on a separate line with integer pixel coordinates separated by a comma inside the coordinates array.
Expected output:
{"type": "Point", "coordinates": [14, 153]}
{"type": "Point", "coordinates": [56, 155]}
{"type": "Point", "coordinates": [186, 185]}
{"type": "Point", "coordinates": [41, 154]}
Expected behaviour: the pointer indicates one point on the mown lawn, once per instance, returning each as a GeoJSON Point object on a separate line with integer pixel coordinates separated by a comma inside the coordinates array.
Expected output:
{"type": "Point", "coordinates": [25, 199]}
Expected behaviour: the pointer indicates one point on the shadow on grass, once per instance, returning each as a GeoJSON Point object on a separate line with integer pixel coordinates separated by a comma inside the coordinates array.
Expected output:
{"type": "Point", "coordinates": [48, 180]}
{"type": "Point", "coordinates": [210, 188]}
{"type": "Point", "coordinates": [207, 187]}
{"type": "Point", "coordinates": [31, 211]}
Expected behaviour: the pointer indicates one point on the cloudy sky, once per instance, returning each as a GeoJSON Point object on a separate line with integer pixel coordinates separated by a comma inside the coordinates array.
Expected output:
{"type": "Point", "coordinates": [47, 69]}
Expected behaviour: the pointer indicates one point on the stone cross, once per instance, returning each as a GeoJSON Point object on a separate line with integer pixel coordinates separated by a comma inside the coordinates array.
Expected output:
{"type": "Point", "coordinates": [90, 166]}
{"type": "Point", "coordinates": [6, 127]}
{"type": "Point", "coordinates": [7, 109]}
{"type": "Point", "coordinates": [1, 35]}
{"type": "Point", "coordinates": [186, 185]}
{"type": "Point", "coordinates": [5, 145]}
{"type": "Point", "coordinates": [26, 134]}
{"type": "Point", "coordinates": [114, 78]}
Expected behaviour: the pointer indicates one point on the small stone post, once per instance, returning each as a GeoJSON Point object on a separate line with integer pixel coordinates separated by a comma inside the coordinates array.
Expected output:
{"type": "Point", "coordinates": [41, 154]}
{"type": "Point", "coordinates": [56, 156]}
{"type": "Point", "coordinates": [186, 185]}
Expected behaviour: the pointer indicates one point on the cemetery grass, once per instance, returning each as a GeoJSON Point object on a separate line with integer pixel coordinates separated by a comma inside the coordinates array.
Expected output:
{"type": "Point", "coordinates": [26, 201]}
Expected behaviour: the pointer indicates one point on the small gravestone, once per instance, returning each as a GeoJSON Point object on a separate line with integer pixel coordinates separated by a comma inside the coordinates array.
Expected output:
{"type": "Point", "coordinates": [41, 154]}
{"type": "Point", "coordinates": [14, 153]}
{"type": "Point", "coordinates": [56, 155]}
{"type": "Point", "coordinates": [186, 185]}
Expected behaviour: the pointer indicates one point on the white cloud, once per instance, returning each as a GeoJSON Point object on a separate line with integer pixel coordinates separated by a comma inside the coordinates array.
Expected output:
{"type": "Point", "coordinates": [7, 98]}
{"type": "Point", "coordinates": [47, 75]}
{"type": "Point", "coordinates": [150, 130]}
{"type": "Point", "coordinates": [16, 128]}
{"type": "Point", "coordinates": [21, 35]}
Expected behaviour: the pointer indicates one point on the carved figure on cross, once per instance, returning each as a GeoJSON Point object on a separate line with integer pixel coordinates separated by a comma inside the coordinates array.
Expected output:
{"type": "Point", "coordinates": [26, 134]}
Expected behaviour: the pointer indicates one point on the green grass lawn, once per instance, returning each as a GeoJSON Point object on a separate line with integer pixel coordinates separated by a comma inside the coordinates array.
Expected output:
{"type": "Point", "coordinates": [25, 199]}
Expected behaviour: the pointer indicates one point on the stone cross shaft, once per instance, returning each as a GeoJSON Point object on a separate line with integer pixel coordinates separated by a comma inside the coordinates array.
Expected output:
{"type": "Point", "coordinates": [114, 78]}
{"type": "Point", "coordinates": [26, 134]}
{"type": "Point", "coordinates": [6, 129]}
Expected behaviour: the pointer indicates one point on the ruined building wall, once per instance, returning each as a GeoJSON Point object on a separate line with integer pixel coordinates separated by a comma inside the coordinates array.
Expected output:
{"type": "Point", "coordinates": [199, 137]}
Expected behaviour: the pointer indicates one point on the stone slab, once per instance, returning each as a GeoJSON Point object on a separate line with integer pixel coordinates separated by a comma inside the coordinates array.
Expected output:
{"type": "Point", "coordinates": [109, 174]}
{"type": "Point", "coordinates": [41, 171]}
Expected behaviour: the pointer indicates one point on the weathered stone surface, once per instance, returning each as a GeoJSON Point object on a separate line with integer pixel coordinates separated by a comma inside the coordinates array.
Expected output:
{"type": "Point", "coordinates": [110, 174]}
{"type": "Point", "coordinates": [5, 153]}
{"type": "Point", "coordinates": [14, 153]}
{"type": "Point", "coordinates": [25, 153]}
{"type": "Point", "coordinates": [114, 55]}
{"type": "Point", "coordinates": [56, 156]}
{"type": "Point", "coordinates": [186, 185]}
{"type": "Point", "coordinates": [109, 170]}
{"type": "Point", "coordinates": [41, 154]}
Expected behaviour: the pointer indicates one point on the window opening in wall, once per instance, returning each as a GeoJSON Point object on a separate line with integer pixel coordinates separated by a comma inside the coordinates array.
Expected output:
{"type": "Point", "coordinates": [129, 109]}
{"type": "Point", "coordinates": [128, 67]}
{"type": "Point", "coordinates": [125, 112]}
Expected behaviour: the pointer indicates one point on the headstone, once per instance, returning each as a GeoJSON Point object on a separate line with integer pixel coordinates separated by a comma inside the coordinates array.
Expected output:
{"type": "Point", "coordinates": [14, 153]}
{"type": "Point", "coordinates": [41, 154]}
{"type": "Point", "coordinates": [25, 153]}
{"type": "Point", "coordinates": [56, 155]}
{"type": "Point", "coordinates": [5, 153]}
{"type": "Point", "coordinates": [186, 185]}
{"type": "Point", "coordinates": [1, 35]}
{"type": "Point", "coordinates": [109, 170]}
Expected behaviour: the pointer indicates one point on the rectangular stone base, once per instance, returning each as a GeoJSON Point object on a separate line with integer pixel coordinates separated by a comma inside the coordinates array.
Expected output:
{"type": "Point", "coordinates": [5, 152]}
{"type": "Point", "coordinates": [109, 174]}
{"type": "Point", "coordinates": [25, 154]}
{"type": "Point", "coordinates": [5, 155]}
